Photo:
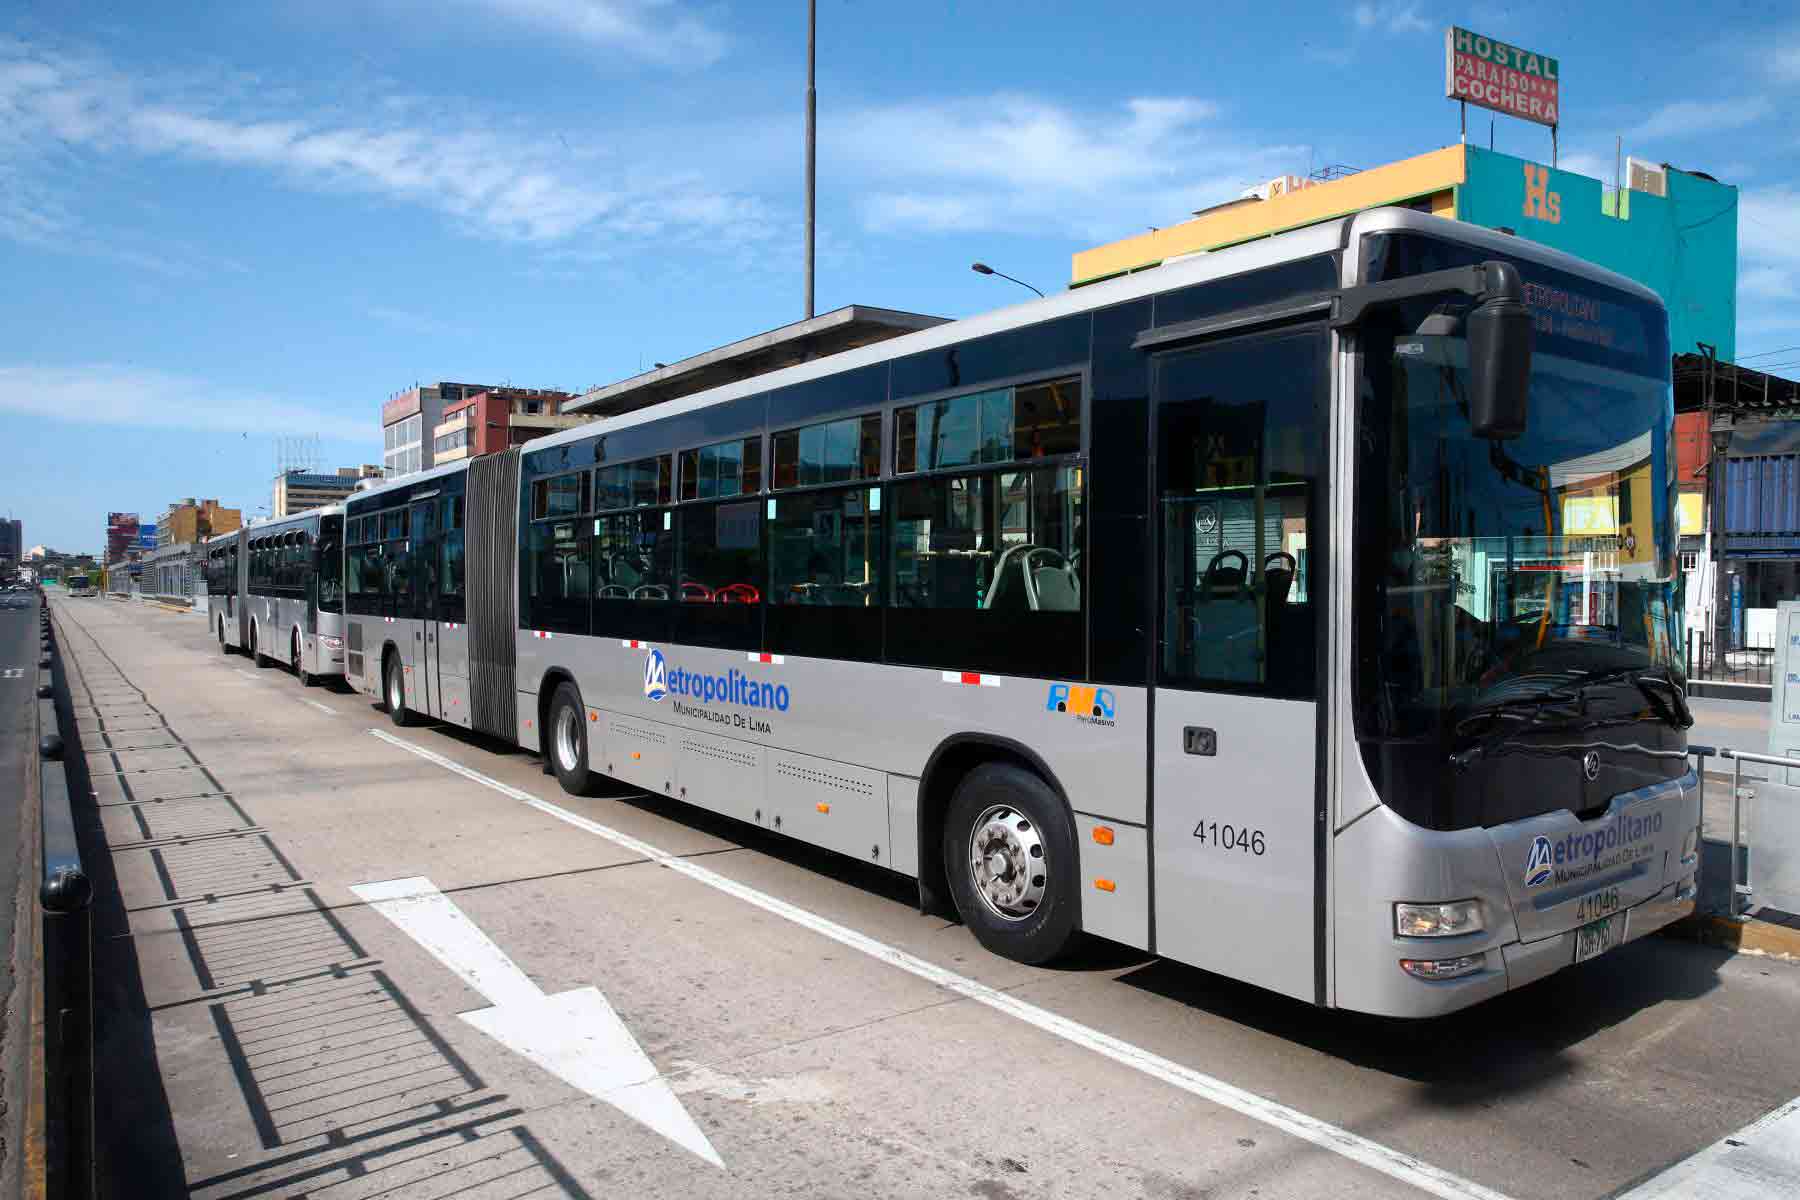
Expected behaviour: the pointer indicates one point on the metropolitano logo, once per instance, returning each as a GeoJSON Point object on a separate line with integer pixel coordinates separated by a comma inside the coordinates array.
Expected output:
{"type": "Point", "coordinates": [656, 675]}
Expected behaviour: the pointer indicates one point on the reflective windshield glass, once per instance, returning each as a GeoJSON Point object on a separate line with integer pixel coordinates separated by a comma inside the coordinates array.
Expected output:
{"type": "Point", "coordinates": [1504, 576]}
{"type": "Point", "coordinates": [331, 564]}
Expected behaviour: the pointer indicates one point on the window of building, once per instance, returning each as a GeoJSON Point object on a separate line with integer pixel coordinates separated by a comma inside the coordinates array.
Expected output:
{"type": "Point", "coordinates": [725, 469]}
{"type": "Point", "coordinates": [1035, 420]}
{"type": "Point", "coordinates": [829, 452]}
{"type": "Point", "coordinates": [986, 572]}
{"type": "Point", "coordinates": [641, 484]}
{"type": "Point", "coordinates": [1690, 560]}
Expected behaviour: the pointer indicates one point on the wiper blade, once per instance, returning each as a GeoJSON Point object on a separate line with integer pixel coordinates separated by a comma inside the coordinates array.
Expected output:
{"type": "Point", "coordinates": [1676, 712]}
{"type": "Point", "coordinates": [1536, 704]}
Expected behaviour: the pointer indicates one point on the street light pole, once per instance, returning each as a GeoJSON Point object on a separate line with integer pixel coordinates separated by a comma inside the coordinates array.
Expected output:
{"type": "Point", "coordinates": [812, 136]}
{"type": "Point", "coordinates": [982, 268]}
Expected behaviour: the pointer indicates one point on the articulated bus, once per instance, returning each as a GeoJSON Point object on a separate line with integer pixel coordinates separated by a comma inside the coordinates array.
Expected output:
{"type": "Point", "coordinates": [277, 590]}
{"type": "Point", "coordinates": [80, 585]}
{"type": "Point", "coordinates": [1225, 610]}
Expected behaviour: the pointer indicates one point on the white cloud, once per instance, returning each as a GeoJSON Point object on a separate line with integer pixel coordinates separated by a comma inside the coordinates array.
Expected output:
{"type": "Point", "coordinates": [492, 177]}
{"type": "Point", "coordinates": [1768, 257]}
{"type": "Point", "coordinates": [1690, 118]}
{"type": "Point", "coordinates": [1025, 164]}
{"type": "Point", "coordinates": [1395, 16]}
{"type": "Point", "coordinates": [114, 395]}
{"type": "Point", "coordinates": [658, 31]}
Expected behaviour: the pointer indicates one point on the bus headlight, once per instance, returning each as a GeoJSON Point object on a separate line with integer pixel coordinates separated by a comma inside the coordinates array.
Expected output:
{"type": "Point", "coordinates": [1438, 920]}
{"type": "Point", "coordinates": [1443, 968]}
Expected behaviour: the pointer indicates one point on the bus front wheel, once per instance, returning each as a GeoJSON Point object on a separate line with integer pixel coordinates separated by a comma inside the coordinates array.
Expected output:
{"type": "Point", "coordinates": [306, 678]}
{"type": "Point", "coordinates": [396, 692]}
{"type": "Point", "coordinates": [224, 646]}
{"type": "Point", "coordinates": [256, 648]}
{"type": "Point", "coordinates": [569, 741]}
{"type": "Point", "coordinates": [1009, 852]}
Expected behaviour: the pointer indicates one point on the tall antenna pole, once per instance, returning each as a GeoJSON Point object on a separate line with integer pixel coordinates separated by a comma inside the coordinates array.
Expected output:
{"type": "Point", "coordinates": [812, 135]}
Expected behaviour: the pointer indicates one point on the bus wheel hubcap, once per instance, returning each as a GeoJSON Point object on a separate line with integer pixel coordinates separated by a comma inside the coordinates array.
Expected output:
{"type": "Point", "coordinates": [566, 744]}
{"type": "Point", "coordinates": [1006, 860]}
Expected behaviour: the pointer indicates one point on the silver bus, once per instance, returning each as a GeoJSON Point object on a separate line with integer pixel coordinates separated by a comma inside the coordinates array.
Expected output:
{"type": "Point", "coordinates": [276, 590]}
{"type": "Point", "coordinates": [1305, 611]}
{"type": "Point", "coordinates": [80, 585]}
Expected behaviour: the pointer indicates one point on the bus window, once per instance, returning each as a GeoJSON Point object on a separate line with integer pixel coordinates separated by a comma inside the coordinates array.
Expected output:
{"type": "Point", "coordinates": [985, 571]}
{"type": "Point", "coordinates": [1241, 451]}
{"type": "Point", "coordinates": [554, 577]}
{"type": "Point", "coordinates": [721, 554]}
{"type": "Point", "coordinates": [634, 557]}
{"type": "Point", "coordinates": [825, 548]}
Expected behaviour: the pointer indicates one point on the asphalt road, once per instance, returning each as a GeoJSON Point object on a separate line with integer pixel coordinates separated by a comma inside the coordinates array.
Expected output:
{"type": "Point", "coordinates": [18, 760]}
{"type": "Point", "coordinates": [368, 961]}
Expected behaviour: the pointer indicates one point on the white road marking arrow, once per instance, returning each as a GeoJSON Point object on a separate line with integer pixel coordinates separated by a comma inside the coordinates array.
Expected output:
{"type": "Point", "coordinates": [574, 1035]}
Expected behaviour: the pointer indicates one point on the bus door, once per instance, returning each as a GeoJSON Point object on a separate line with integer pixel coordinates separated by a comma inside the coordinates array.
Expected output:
{"type": "Point", "coordinates": [427, 684]}
{"type": "Point", "coordinates": [452, 614]}
{"type": "Point", "coordinates": [1237, 818]}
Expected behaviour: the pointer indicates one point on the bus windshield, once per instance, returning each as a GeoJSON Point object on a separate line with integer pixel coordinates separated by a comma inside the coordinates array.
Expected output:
{"type": "Point", "coordinates": [331, 564]}
{"type": "Point", "coordinates": [1509, 575]}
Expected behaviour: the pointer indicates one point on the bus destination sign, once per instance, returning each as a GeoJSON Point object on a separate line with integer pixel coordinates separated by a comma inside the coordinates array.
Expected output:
{"type": "Point", "coordinates": [1492, 74]}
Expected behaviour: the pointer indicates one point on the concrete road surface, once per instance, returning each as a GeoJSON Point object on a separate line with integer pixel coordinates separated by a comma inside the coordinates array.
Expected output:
{"type": "Point", "coordinates": [348, 960]}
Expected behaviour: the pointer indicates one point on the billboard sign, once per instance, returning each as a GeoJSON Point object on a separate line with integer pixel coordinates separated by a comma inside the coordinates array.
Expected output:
{"type": "Point", "coordinates": [146, 537]}
{"type": "Point", "coordinates": [1505, 78]}
{"type": "Point", "coordinates": [121, 535]}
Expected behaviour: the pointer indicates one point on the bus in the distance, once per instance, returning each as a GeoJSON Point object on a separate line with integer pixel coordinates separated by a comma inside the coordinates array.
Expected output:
{"type": "Point", "coordinates": [79, 585]}
{"type": "Point", "coordinates": [276, 590]}
{"type": "Point", "coordinates": [1238, 610]}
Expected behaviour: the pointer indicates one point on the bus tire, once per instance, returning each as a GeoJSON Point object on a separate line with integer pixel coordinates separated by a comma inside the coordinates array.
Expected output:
{"type": "Point", "coordinates": [1009, 852]}
{"type": "Point", "coordinates": [300, 672]}
{"type": "Point", "coordinates": [393, 691]}
{"type": "Point", "coordinates": [568, 740]}
{"type": "Point", "coordinates": [224, 646]}
{"type": "Point", "coordinates": [256, 648]}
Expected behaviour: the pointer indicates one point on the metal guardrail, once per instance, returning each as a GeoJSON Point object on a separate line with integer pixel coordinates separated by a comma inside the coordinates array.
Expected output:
{"type": "Point", "coordinates": [1739, 887]}
{"type": "Point", "coordinates": [64, 896]}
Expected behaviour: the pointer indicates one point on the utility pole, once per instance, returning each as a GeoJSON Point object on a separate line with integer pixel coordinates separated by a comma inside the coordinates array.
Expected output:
{"type": "Point", "coordinates": [812, 137]}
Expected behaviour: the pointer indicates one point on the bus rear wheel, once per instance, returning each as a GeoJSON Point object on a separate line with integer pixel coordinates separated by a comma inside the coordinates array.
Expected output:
{"type": "Point", "coordinates": [300, 672]}
{"type": "Point", "coordinates": [224, 646]}
{"type": "Point", "coordinates": [568, 740]}
{"type": "Point", "coordinates": [256, 650]}
{"type": "Point", "coordinates": [1009, 852]}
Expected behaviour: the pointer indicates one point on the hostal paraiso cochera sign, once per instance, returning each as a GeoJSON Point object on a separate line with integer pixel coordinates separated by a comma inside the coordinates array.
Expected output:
{"type": "Point", "coordinates": [1493, 74]}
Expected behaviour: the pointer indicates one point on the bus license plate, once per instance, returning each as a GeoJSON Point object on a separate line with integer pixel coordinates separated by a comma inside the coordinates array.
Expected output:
{"type": "Point", "coordinates": [1597, 938]}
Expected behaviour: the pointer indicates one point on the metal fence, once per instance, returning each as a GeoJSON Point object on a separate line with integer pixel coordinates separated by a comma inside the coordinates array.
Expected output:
{"type": "Point", "coordinates": [64, 893]}
{"type": "Point", "coordinates": [1753, 662]}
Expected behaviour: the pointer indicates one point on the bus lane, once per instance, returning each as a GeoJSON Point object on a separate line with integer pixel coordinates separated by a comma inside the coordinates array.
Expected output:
{"type": "Point", "coordinates": [896, 1058]}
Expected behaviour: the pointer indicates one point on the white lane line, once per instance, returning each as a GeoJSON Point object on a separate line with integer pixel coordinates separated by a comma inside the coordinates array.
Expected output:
{"type": "Point", "coordinates": [324, 708]}
{"type": "Point", "coordinates": [575, 1035]}
{"type": "Point", "coordinates": [1393, 1163]}
{"type": "Point", "coordinates": [1758, 1162]}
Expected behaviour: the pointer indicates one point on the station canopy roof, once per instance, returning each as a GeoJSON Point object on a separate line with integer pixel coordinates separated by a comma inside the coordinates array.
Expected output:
{"type": "Point", "coordinates": [841, 329]}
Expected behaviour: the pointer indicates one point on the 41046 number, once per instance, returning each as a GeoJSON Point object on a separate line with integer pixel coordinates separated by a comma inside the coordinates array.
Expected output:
{"type": "Point", "coordinates": [1229, 837]}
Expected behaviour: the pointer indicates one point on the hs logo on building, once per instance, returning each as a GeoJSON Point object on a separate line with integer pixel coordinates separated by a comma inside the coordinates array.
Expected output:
{"type": "Point", "coordinates": [1541, 204]}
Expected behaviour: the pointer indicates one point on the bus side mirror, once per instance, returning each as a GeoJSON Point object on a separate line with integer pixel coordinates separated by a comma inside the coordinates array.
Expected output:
{"type": "Point", "coordinates": [1500, 337]}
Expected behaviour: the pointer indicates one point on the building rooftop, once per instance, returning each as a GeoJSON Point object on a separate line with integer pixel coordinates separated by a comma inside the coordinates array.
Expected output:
{"type": "Point", "coordinates": [841, 329]}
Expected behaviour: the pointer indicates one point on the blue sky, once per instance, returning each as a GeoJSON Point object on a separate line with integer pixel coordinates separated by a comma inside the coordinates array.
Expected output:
{"type": "Point", "coordinates": [224, 223]}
